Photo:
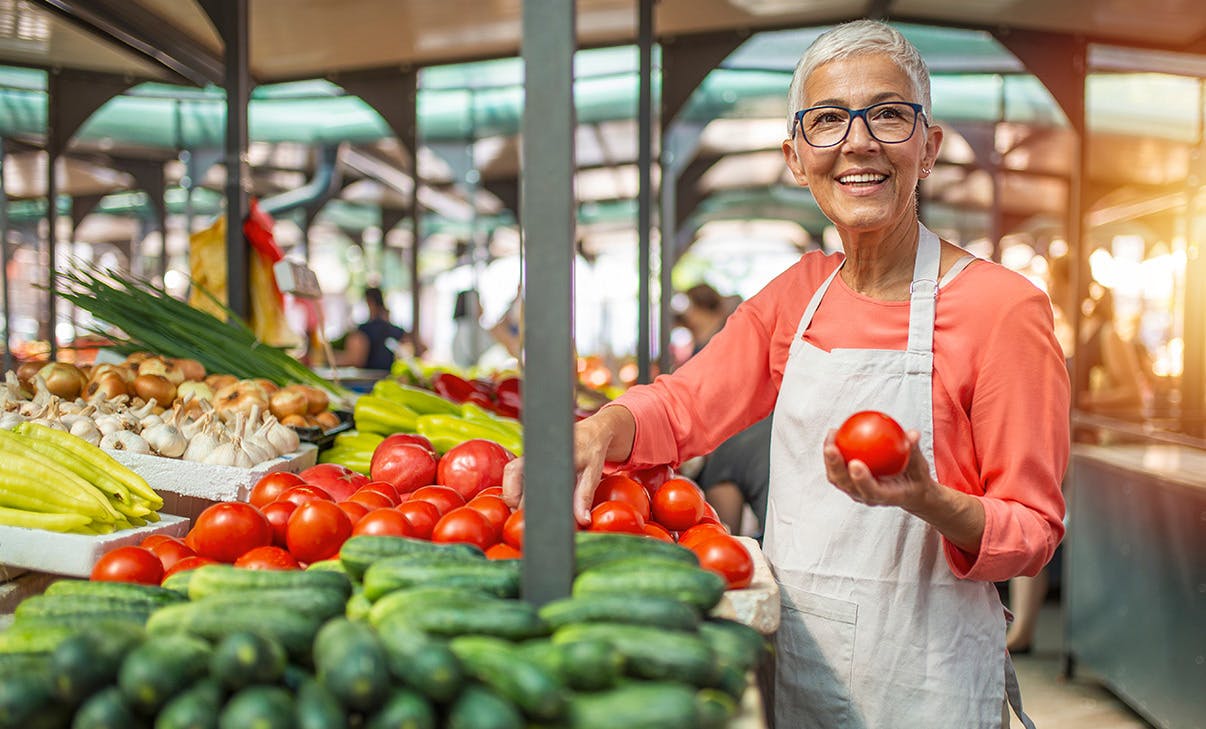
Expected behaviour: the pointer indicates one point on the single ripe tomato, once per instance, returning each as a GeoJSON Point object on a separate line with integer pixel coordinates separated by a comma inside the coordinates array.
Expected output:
{"type": "Point", "coordinates": [186, 564]}
{"type": "Point", "coordinates": [267, 558]}
{"type": "Point", "coordinates": [711, 517]}
{"type": "Point", "coordinates": [472, 466]}
{"type": "Point", "coordinates": [171, 550]}
{"type": "Point", "coordinates": [616, 516]}
{"type": "Point", "coordinates": [442, 497]}
{"type": "Point", "coordinates": [129, 564]}
{"type": "Point", "coordinates": [875, 439]}
{"type": "Point", "coordinates": [270, 487]}
{"type": "Point", "coordinates": [337, 480]}
{"type": "Point", "coordinates": [658, 532]}
{"type": "Point", "coordinates": [494, 509]}
{"type": "Point", "coordinates": [385, 489]}
{"type": "Point", "coordinates": [700, 532]}
{"type": "Point", "coordinates": [227, 530]}
{"type": "Point", "coordinates": [277, 513]}
{"type": "Point", "coordinates": [622, 488]}
{"type": "Point", "coordinates": [384, 523]}
{"type": "Point", "coordinates": [317, 530]}
{"type": "Point", "coordinates": [422, 516]}
{"type": "Point", "coordinates": [302, 493]}
{"type": "Point", "coordinates": [678, 504]}
{"type": "Point", "coordinates": [502, 550]}
{"type": "Point", "coordinates": [513, 529]}
{"type": "Point", "coordinates": [154, 539]}
{"type": "Point", "coordinates": [728, 558]}
{"type": "Point", "coordinates": [354, 509]}
{"type": "Point", "coordinates": [464, 525]}
{"type": "Point", "coordinates": [371, 499]}
{"type": "Point", "coordinates": [491, 491]}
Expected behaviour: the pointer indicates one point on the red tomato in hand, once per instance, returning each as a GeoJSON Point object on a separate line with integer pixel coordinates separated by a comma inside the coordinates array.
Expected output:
{"type": "Point", "coordinates": [277, 513]}
{"type": "Point", "coordinates": [728, 558]}
{"type": "Point", "coordinates": [442, 497]}
{"type": "Point", "coordinates": [875, 439]}
{"type": "Point", "coordinates": [267, 558]}
{"type": "Point", "coordinates": [513, 529]}
{"type": "Point", "coordinates": [338, 481]}
{"type": "Point", "coordinates": [616, 516]}
{"type": "Point", "coordinates": [678, 504]}
{"type": "Point", "coordinates": [270, 487]}
{"type": "Point", "coordinates": [464, 525]}
{"type": "Point", "coordinates": [384, 523]}
{"type": "Point", "coordinates": [299, 495]}
{"type": "Point", "coordinates": [186, 564]}
{"type": "Point", "coordinates": [403, 464]}
{"type": "Point", "coordinates": [170, 551]}
{"type": "Point", "coordinates": [226, 531]}
{"type": "Point", "coordinates": [494, 509]}
{"type": "Point", "coordinates": [622, 488]}
{"type": "Point", "coordinates": [422, 516]}
{"type": "Point", "coordinates": [317, 530]}
{"type": "Point", "coordinates": [128, 564]}
{"type": "Point", "coordinates": [472, 466]}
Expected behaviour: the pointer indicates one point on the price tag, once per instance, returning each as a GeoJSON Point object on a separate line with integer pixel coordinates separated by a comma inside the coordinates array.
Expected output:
{"type": "Point", "coordinates": [295, 277]}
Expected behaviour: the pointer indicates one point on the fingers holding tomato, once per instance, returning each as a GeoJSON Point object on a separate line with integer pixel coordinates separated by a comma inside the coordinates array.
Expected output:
{"type": "Point", "coordinates": [906, 489]}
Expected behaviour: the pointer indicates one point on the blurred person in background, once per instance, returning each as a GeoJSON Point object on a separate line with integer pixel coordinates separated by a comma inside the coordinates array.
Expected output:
{"type": "Point", "coordinates": [374, 344]}
{"type": "Point", "coordinates": [469, 339]}
{"type": "Point", "coordinates": [890, 616]}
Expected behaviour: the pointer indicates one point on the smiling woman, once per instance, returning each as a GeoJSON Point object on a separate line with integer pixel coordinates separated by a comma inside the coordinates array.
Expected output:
{"type": "Point", "coordinates": [890, 617]}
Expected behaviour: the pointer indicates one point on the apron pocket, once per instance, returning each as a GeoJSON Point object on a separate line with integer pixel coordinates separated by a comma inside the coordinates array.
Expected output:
{"type": "Point", "coordinates": [814, 660]}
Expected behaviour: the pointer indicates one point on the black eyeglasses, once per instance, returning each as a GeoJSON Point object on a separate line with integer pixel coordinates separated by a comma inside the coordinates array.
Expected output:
{"type": "Point", "coordinates": [890, 122]}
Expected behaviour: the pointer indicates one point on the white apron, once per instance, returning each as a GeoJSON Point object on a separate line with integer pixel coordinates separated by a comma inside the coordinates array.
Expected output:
{"type": "Point", "coordinates": [876, 632]}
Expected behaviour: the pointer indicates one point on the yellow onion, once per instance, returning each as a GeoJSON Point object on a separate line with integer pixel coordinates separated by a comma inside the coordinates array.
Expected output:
{"type": "Point", "coordinates": [318, 400]}
{"type": "Point", "coordinates": [217, 382]}
{"type": "Point", "coordinates": [297, 421]}
{"type": "Point", "coordinates": [327, 420]}
{"type": "Point", "coordinates": [241, 397]}
{"type": "Point", "coordinates": [64, 380]}
{"type": "Point", "coordinates": [135, 358]}
{"type": "Point", "coordinates": [288, 401]}
{"type": "Point", "coordinates": [268, 385]}
{"type": "Point", "coordinates": [156, 387]}
{"type": "Point", "coordinates": [108, 385]}
{"type": "Point", "coordinates": [26, 372]}
{"type": "Point", "coordinates": [192, 369]}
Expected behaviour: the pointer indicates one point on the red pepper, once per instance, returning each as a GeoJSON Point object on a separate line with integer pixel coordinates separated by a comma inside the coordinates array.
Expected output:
{"type": "Point", "coordinates": [451, 387]}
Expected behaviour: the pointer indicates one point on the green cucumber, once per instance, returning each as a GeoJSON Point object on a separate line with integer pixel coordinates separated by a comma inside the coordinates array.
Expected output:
{"type": "Point", "coordinates": [17, 664]}
{"type": "Point", "coordinates": [636, 706]}
{"type": "Point", "coordinates": [403, 708]}
{"type": "Point", "coordinates": [258, 707]}
{"type": "Point", "coordinates": [196, 707]}
{"type": "Point", "coordinates": [734, 642]}
{"type": "Point", "coordinates": [420, 598]}
{"type": "Point", "coordinates": [214, 579]}
{"type": "Point", "coordinates": [360, 552]}
{"type": "Point", "coordinates": [130, 592]}
{"type": "Point", "coordinates": [697, 587]}
{"type": "Point", "coordinates": [311, 602]}
{"type": "Point", "coordinates": [651, 653]}
{"type": "Point", "coordinates": [593, 549]}
{"type": "Point", "coordinates": [661, 612]}
{"type": "Point", "coordinates": [28, 702]}
{"type": "Point", "coordinates": [419, 661]}
{"type": "Point", "coordinates": [510, 619]}
{"type": "Point", "coordinates": [178, 582]}
{"type": "Point", "coordinates": [714, 708]}
{"type": "Point", "coordinates": [159, 669]}
{"type": "Point", "coordinates": [584, 665]}
{"type": "Point", "coordinates": [39, 606]}
{"type": "Point", "coordinates": [330, 565]}
{"type": "Point", "coordinates": [478, 707]}
{"type": "Point", "coordinates": [502, 667]}
{"type": "Point", "coordinates": [108, 709]}
{"type": "Point", "coordinates": [358, 606]}
{"type": "Point", "coordinates": [317, 707]}
{"type": "Point", "coordinates": [351, 663]}
{"type": "Point", "coordinates": [244, 658]}
{"type": "Point", "coordinates": [89, 661]}
{"type": "Point", "coordinates": [292, 631]}
{"type": "Point", "coordinates": [499, 578]}
{"type": "Point", "coordinates": [34, 636]}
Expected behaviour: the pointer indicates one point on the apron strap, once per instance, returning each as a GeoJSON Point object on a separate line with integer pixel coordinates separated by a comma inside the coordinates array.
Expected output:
{"type": "Point", "coordinates": [1013, 693]}
{"type": "Point", "coordinates": [923, 292]}
{"type": "Point", "coordinates": [960, 264]}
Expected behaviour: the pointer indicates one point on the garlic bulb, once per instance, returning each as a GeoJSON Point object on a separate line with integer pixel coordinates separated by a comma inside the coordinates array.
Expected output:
{"type": "Point", "coordinates": [124, 440]}
{"type": "Point", "coordinates": [86, 429]}
{"type": "Point", "coordinates": [222, 455]}
{"type": "Point", "coordinates": [107, 424]}
{"type": "Point", "coordinates": [149, 421]}
{"type": "Point", "coordinates": [8, 421]}
{"type": "Point", "coordinates": [283, 438]}
{"type": "Point", "coordinates": [200, 444]}
{"type": "Point", "coordinates": [165, 440]}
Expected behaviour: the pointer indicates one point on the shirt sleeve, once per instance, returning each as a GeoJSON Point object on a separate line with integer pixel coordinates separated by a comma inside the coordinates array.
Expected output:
{"type": "Point", "coordinates": [1020, 428]}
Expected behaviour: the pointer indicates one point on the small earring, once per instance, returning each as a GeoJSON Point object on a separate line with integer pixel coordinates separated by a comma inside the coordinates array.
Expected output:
{"type": "Point", "coordinates": [925, 170]}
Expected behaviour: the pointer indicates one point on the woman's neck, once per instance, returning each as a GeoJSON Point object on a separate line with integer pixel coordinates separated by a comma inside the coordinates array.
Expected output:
{"type": "Point", "coordinates": [879, 264]}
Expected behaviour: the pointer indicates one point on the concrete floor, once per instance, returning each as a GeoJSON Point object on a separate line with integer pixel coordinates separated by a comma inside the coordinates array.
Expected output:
{"type": "Point", "coordinates": [1057, 703]}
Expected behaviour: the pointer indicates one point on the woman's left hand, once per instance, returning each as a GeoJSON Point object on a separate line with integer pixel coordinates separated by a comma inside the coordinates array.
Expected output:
{"type": "Point", "coordinates": [909, 489]}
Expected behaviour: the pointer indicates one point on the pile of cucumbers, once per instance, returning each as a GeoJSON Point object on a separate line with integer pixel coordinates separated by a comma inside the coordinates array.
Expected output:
{"type": "Point", "coordinates": [396, 633]}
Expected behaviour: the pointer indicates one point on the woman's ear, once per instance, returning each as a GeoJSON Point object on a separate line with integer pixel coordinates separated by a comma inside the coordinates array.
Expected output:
{"type": "Point", "coordinates": [793, 162]}
{"type": "Point", "coordinates": [933, 142]}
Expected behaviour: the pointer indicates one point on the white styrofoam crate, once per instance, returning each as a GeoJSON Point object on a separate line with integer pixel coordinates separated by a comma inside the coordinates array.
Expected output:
{"type": "Point", "coordinates": [75, 554]}
{"type": "Point", "coordinates": [757, 605]}
{"type": "Point", "coordinates": [209, 482]}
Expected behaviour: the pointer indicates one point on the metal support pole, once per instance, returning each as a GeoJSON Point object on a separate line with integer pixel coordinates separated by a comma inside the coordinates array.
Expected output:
{"type": "Point", "coordinates": [669, 230]}
{"type": "Point", "coordinates": [1193, 372]}
{"type": "Point", "coordinates": [52, 221]}
{"type": "Point", "coordinates": [645, 192]}
{"type": "Point", "coordinates": [234, 28]}
{"type": "Point", "coordinates": [4, 300]}
{"type": "Point", "coordinates": [548, 225]}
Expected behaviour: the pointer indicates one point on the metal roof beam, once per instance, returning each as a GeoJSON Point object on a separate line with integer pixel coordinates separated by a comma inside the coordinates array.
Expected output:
{"type": "Point", "coordinates": [139, 30]}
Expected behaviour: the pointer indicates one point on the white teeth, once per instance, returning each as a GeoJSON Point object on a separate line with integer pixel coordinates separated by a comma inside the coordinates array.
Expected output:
{"type": "Point", "coordinates": [848, 179]}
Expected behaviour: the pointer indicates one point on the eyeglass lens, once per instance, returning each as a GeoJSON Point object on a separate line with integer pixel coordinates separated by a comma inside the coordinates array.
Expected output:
{"type": "Point", "coordinates": [889, 122]}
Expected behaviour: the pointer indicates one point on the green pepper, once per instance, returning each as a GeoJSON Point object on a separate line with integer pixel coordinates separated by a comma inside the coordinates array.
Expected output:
{"type": "Point", "coordinates": [415, 398]}
{"type": "Point", "coordinates": [435, 426]}
{"type": "Point", "coordinates": [356, 439]}
{"type": "Point", "coordinates": [378, 415]}
{"type": "Point", "coordinates": [473, 411]}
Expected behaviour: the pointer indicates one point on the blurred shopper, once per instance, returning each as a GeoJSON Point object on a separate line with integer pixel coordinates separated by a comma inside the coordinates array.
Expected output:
{"type": "Point", "coordinates": [890, 617]}
{"type": "Point", "coordinates": [374, 344]}
{"type": "Point", "coordinates": [469, 339]}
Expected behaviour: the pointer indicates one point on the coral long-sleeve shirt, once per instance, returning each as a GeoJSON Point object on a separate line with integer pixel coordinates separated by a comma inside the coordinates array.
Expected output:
{"type": "Point", "coordinates": [1000, 394]}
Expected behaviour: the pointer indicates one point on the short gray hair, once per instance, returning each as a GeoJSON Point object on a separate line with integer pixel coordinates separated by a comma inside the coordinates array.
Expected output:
{"type": "Point", "coordinates": [857, 38]}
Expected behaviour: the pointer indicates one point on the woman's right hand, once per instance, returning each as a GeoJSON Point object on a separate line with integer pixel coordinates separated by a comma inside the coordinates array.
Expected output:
{"type": "Point", "coordinates": [605, 436]}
